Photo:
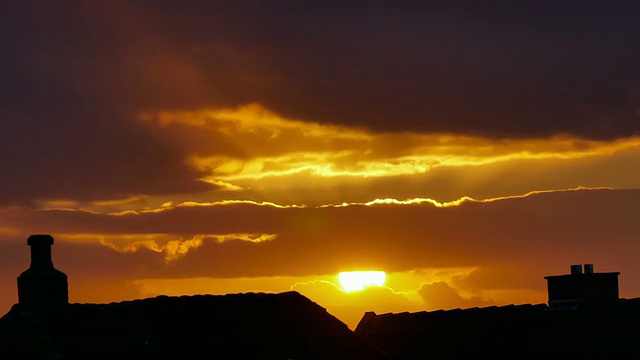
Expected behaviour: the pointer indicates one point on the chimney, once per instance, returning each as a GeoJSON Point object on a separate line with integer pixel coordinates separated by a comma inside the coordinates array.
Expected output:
{"type": "Point", "coordinates": [40, 251]}
{"type": "Point", "coordinates": [576, 269]}
{"type": "Point", "coordinates": [42, 286]}
{"type": "Point", "coordinates": [572, 290]}
{"type": "Point", "coordinates": [588, 268]}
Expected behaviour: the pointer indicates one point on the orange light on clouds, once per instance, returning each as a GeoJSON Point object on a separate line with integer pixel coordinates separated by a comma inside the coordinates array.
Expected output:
{"type": "Point", "coordinates": [167, 244]}
{"type": "Point", "coordinates": [251, 154]}
{"type": "Point", "coordinates": [256, 154]}
{"type": "Point", "coordinates": [279, 187]}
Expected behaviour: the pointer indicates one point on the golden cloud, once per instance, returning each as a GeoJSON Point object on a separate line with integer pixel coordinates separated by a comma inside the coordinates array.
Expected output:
{"type": "Point", "coordinates": [250, 119]}
{"type": "Point", "coordinates": [257, 154]}
{"type": "Point", "coordinates": [386, 201]}
{"type": "Point", "coordinates": [166, 244]}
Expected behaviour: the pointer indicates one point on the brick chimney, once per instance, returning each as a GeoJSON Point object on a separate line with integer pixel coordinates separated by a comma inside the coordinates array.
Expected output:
{"type": "Point", "coordinates": [42, 286]}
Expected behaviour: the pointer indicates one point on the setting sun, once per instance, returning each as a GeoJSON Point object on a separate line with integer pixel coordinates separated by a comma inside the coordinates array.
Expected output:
{"type": "Point", "coordinates": [359, 280]}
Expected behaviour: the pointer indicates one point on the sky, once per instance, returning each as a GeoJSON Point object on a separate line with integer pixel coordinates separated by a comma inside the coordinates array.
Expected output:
{"type": "Point", "coordinates": [467, 149]}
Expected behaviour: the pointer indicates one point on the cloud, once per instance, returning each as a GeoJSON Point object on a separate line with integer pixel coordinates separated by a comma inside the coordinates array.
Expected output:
{"type": "Point", "coordinates": [266, 136]}
{"type": "Point", "coordinates": [440, 295]}
{"type": "Point", "coordinates": [389, 237]}
{"type": "Point", "coordinates": [70, 107]}
{"type": "Point", "coordinates": [217, 153]}
{"type": "Point", "coordinates": [408, 67]}
{"type": "Point", "coordinates": [307, 163]}
{"type": "Point", "coordinates": [172, 249]}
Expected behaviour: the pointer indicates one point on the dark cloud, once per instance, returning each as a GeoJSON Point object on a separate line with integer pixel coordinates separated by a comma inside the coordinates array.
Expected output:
{"type": "Point", "coordinates": [495, 69]}
{"type": "Point", "coordinates": [522, 69]}
{"type": "Point", "coordinates": [71, 93]}
{"type": "Point", "coordinates": [76, 75]}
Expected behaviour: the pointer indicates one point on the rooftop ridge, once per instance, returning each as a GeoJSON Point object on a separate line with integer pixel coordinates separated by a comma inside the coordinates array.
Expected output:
{"type": "Point", "coordinates": [470, 309]}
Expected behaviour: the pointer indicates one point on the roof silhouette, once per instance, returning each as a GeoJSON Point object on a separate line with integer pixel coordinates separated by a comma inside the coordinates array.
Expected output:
{"type": "Point", "coordinates": [585, 319]}
{"type": "Point", "coordinates": [240, 326]}
{"type": "Point", "coordinates": [591, 331]}
{"type": "Point", "coordinates": [43, 325]}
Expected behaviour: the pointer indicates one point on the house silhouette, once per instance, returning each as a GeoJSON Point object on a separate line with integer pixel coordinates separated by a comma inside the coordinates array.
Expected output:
{"type": "Point", "coordinates": [584, 319]}
{"type": "Point", "coordinates": [43, 325]}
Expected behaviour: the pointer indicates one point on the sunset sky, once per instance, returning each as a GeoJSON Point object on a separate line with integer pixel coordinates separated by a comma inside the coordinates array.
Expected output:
{"type": "Point", "coordinates": [465, 148]}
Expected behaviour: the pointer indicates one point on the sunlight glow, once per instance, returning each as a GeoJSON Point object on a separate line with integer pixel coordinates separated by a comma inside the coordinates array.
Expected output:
{"type": "Point", "coordinates": [359, 280]}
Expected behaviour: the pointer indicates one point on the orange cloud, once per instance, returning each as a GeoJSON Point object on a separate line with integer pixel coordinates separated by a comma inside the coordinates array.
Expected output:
{"type": "Point", "coordinates": [388, 201]}
{"type": "Point", "coordinates": [172, 249]}
{"type": "Point", "coordinates": [440, 295]}
{"type": "Point", "coordinates": [251, 153]}
{"type": "Point", "coordinates": [250, 119]}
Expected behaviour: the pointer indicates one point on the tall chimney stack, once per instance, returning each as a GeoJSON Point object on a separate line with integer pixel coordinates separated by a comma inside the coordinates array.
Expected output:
{"type": "Point", "coordinates": [42, 286]}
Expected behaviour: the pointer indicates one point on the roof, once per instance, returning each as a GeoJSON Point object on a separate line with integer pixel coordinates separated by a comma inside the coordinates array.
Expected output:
{"type": "Point", "coordinates": [507, 332]}
{"type": "Point", "coordinates": [252, 325]}
{"type": "Point", "coordinates": [569, 276]}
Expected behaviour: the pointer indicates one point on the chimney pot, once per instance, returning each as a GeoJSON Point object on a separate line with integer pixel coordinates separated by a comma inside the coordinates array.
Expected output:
{"type": "Point", "coordinates": [588, 268]}
{"type": "Point", "coordinates": [39, 240]}
{"type": "Point", "coordinates": [576, 269]}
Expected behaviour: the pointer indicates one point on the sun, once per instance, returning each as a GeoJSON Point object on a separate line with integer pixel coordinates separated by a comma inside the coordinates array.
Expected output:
{"type": "Point", "coordinates": [359, 280]}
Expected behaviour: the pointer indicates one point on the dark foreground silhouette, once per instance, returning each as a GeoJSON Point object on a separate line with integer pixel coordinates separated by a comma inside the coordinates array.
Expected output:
{"type": "Point", "coordinates": [43, 325]}
{"type": "Point", "coordinates": [238, 326]}
{"type": "Point", "coordinates": [585, 319]}
{"type": "Point", "coordinates": [591, 331]}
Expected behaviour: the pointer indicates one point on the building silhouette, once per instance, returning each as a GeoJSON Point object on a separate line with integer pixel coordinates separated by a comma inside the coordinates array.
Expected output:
{"type": "Point", "coordinates": [583, 319]}
{"type": "Point", "coordinates": [578, 287]}
{"type": "Point", "coordinates": [43, 325]}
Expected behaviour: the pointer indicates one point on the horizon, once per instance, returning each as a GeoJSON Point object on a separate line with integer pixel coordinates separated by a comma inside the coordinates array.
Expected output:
{"type": "Point", "coordinates": [464, 150]}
